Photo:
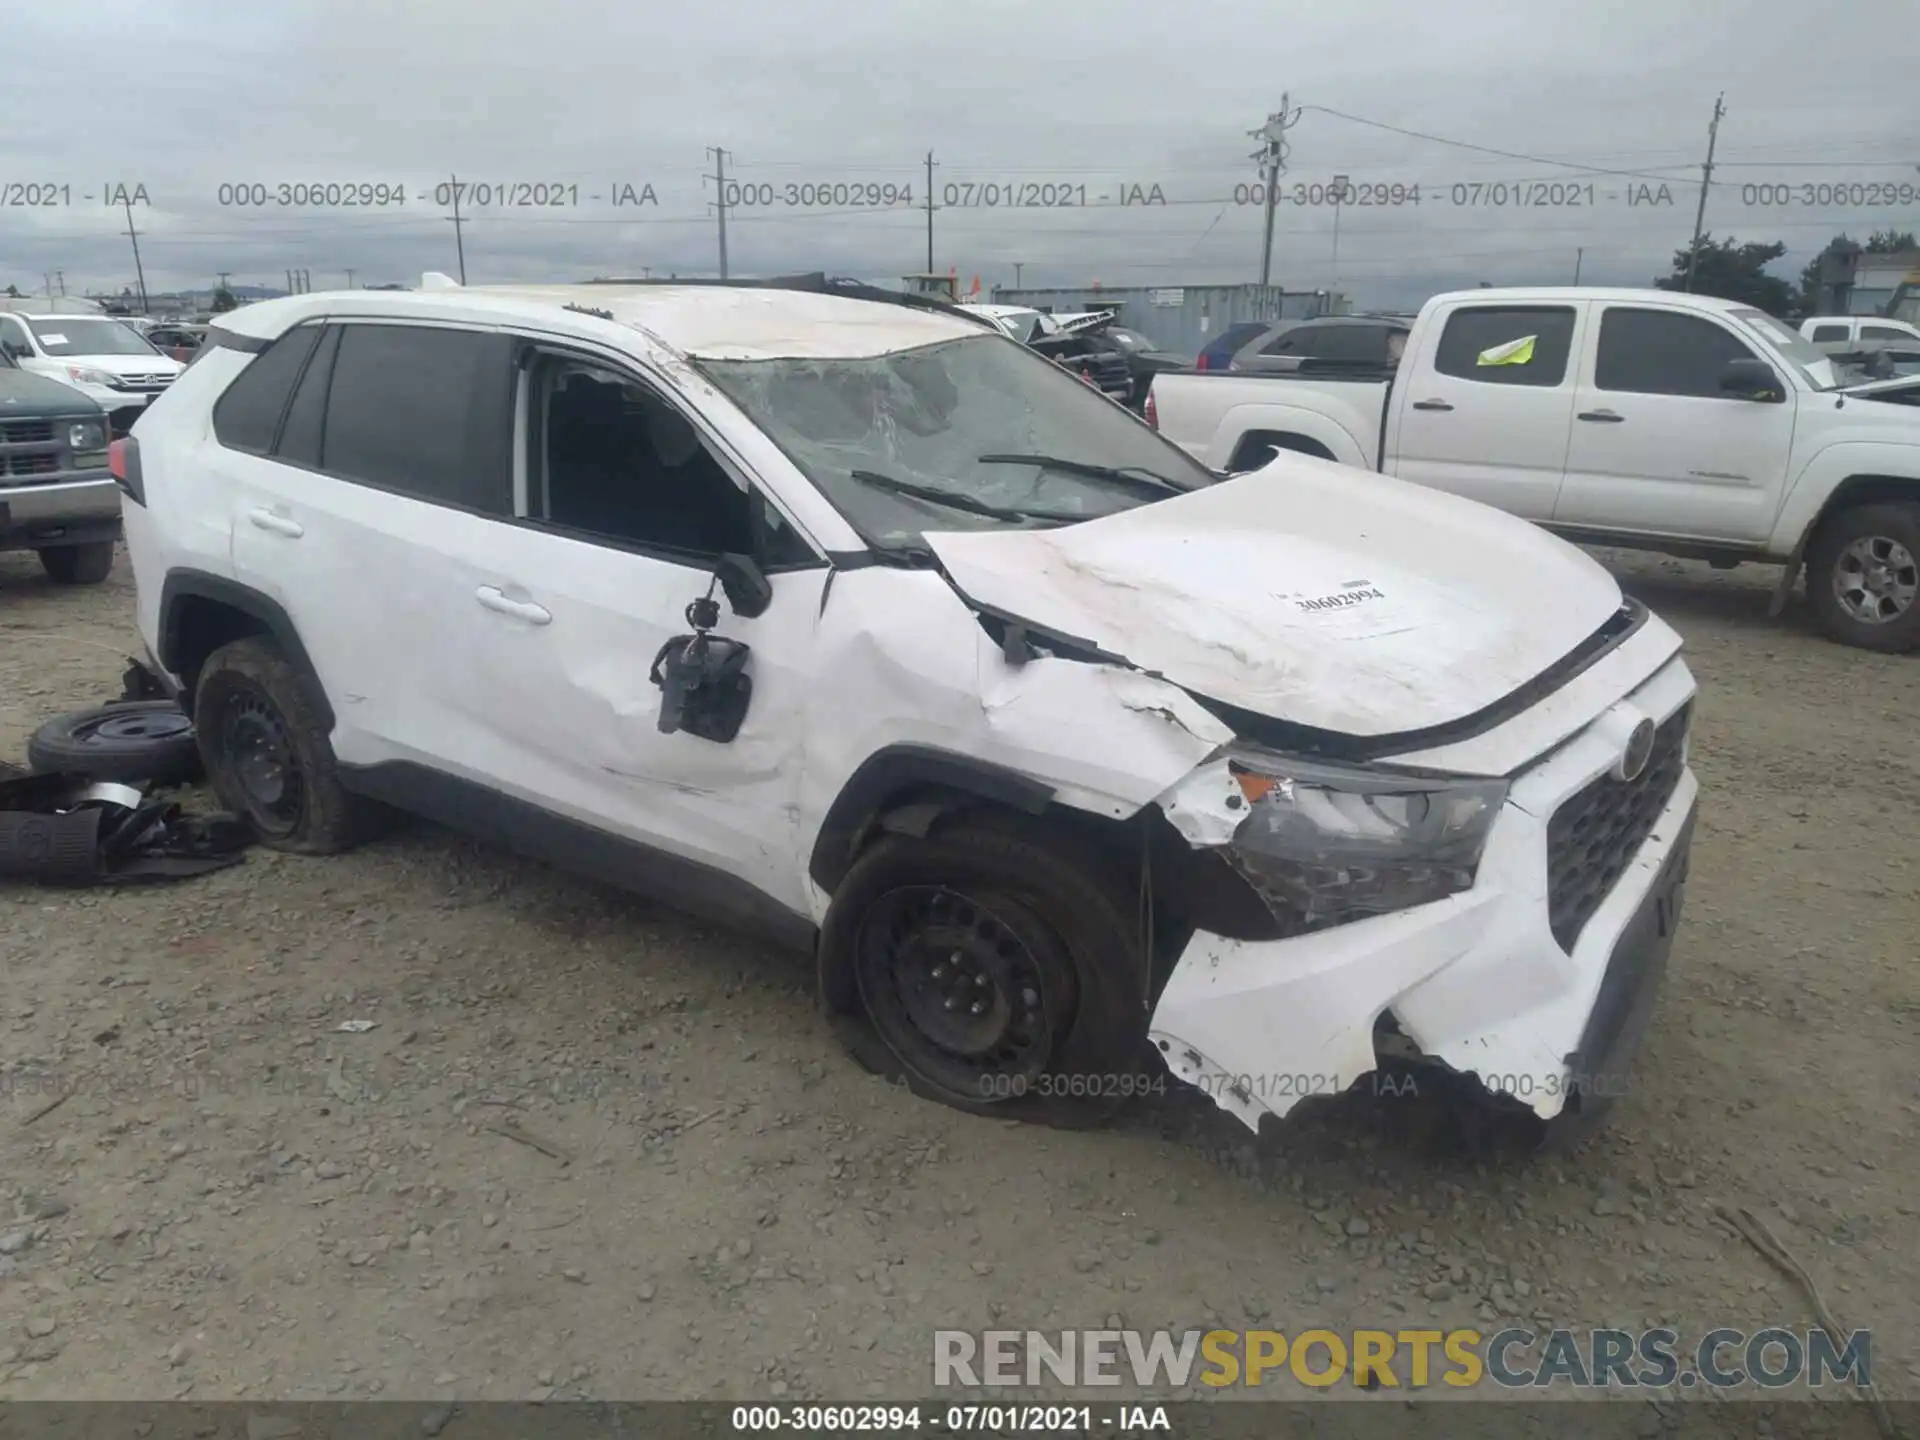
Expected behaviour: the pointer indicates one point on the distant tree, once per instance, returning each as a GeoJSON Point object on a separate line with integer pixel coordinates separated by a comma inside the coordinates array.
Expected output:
{"type": "Point", "coordinates": [1890, 242]}
{"type": "Point", "coordinates": [223, 301]}
{"type": "Point", "coordinates": [13, 293]}
{"type": "Point", "coordinates": [1730, 270]}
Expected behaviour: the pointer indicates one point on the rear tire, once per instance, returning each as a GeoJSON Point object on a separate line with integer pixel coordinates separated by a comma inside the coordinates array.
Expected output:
{"type": "Point", "coordinates": [1863, 577]}
{"type": "Point", "coordinates": [87, 564]}
{"type": "Point", "coordinates": [268, 756]}
{"type": "Point", "coordinates": [995, 968]}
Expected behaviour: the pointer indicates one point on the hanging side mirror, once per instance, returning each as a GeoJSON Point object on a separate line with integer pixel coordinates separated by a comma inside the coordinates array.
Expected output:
{"type": "Point", "coordinates": [748, 590]}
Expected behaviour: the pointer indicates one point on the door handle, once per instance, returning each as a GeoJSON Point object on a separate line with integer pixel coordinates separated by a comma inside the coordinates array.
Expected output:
{"type": "Point", "coordinates": [278, 524]}
{"type": "Point", "coordinates": [1602, 417]}
{"type": "Point", "coordinates": [1431, 405]}
{"type": "Point", "coordinates": [495, 598]}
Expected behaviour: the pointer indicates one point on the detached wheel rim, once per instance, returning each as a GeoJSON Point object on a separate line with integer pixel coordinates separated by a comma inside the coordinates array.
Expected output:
{"type": "Point", "coordinates": [256, 750]}
{"type": "Point", "coordinates": [968, 993]}
{"type": "Point", "coordinates": [116, 729]}
{"type": "Point", "coordinates": [1875, 579]}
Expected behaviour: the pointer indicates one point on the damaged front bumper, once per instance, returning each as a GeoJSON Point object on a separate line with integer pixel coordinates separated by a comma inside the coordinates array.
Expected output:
{"type": "Point", "coordinates": [1538, 980]}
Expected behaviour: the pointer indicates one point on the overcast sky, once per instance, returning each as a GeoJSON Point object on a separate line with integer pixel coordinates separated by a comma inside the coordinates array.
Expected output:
{"type": "Point", "coordinates": [1060, 99]}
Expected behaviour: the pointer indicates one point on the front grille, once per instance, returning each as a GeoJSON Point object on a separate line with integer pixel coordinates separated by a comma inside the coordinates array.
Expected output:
{"type": "Point", "coordinates": [1594, 835]}
{"type": "Point", "coordinates": [25, 432]}
{"type": "Point", "coordinates": [146, 384]}
{"type": "Point", "coordinates": [29, 464]}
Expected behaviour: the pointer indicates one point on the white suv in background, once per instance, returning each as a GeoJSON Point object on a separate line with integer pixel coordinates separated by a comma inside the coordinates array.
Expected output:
{"type": "Point", "coordinates": [105, 358]}
{"type": "Point", "coordinates": [839, 611]}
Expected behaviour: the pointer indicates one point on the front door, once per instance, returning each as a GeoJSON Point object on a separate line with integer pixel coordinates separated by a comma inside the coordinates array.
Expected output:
{"type": "Point", "coordinates": [1658, 447]}
{"type": "Point", "coordinates": [1483, 409]}
{"type": "Point", "coordinates": [623, 512]}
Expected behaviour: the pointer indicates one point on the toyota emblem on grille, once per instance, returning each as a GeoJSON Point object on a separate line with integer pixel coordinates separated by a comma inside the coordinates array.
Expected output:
{"type": "Point", "coordinates": [1633, 760]}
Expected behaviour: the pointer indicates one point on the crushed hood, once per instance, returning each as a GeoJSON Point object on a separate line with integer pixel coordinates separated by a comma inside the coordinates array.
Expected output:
{"type": "Point", "coordinates": [1307, 592]}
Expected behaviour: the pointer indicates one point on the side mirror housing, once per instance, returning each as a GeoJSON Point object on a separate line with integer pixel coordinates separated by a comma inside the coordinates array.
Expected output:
{"type": "Point", "coordinates": [748, 590]}
{"type": "Point", "coordinates": [1751, 379]}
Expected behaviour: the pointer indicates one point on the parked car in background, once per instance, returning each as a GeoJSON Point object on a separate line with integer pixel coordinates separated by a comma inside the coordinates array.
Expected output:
{"type": "Point", "coordinates": [1215, 354]}
{"type": "Point", "coordinates": [1345, 341]}
{"type": "Point", "coordinates": [178, 340]}
{"type": "Point", "coordinates": [105, 358]}
{"type": "Point", "coordinates": [1071, 341]}
{"type": "Point", "coordinates": [57, 495]}
{"type": "Point", "coordinates": [1834, 333]}
{"type": "Point", "coordinates": [1144, 360]}
{"type": "Point", "coordinates": [1640, 418]}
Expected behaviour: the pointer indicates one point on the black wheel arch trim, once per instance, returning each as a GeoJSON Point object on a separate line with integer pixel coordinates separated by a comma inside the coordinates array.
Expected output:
{"type": "Point", "coordinates": [900, 768]}
{"type": "Point", "coordinates": [185, 584]}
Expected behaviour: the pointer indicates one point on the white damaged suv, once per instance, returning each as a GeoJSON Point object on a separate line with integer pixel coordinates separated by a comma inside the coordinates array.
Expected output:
{"type": "Point", "coordinates": [841, 613]}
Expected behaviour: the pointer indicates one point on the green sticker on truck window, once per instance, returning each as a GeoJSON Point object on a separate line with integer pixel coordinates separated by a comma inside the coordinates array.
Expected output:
{"type": "Point", "coordinates": [1514, 352]}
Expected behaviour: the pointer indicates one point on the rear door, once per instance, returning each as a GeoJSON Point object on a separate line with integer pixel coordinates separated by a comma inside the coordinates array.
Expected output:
{"type": "Point", "coordinates": [1657, 445]}
{"type": "Point", "coordinates": [1483, 407]}
{"type": "Point", "coordinates": [393, 448]}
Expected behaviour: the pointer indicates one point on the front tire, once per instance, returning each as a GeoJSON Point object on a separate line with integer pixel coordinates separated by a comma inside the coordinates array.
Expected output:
{"type": "Point", "coordinates": [267, 753]}
{"type": "Point", "coordinates": [1863, 577]}
{"type": "Point", "coordinates": [993, 967]}
{"type": "Point", "coordinates": [87, 564]}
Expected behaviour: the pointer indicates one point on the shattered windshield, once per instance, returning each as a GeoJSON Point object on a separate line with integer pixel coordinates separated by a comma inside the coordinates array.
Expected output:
{"type": "Point", "coordinates": [1014, 440]}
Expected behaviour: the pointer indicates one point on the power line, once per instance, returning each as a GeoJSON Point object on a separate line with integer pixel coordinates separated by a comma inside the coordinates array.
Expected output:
{"type": "Point", "coordinates": [1482, 149]}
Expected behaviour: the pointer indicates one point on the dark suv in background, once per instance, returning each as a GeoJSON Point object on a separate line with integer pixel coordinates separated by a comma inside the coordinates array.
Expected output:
{"type": "Point", "coordinates": [57, 496]}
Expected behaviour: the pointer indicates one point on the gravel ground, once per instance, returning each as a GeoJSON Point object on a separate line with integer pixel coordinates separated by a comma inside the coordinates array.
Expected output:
{"type": "Point", "coordinates": [593, 1149]}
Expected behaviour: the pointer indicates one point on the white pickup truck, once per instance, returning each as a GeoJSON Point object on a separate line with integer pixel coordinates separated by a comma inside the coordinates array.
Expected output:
{"type": "Point", "coordinates": [1638, 418]}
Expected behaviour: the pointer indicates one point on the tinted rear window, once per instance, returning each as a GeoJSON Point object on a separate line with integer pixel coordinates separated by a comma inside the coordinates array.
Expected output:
{"type": "Point", "coordinates": [426, 411]}
{"type": "Point", "coordinates": [248, 414]}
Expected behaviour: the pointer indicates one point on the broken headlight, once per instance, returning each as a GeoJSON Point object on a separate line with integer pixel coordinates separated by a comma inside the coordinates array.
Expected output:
{"type": "Point", "coordinates": [1327, 844]}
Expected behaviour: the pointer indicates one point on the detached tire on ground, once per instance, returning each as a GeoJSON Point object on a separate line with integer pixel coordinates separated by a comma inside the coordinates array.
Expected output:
{"type": "Point", "coordinates": [127, 742]}
{"type": "Point", "coordinates": [78, 564]}
{"type": "Point", "coordinates": [267, 754]}
{"type": "Point", "coordinates": [993, 967]}
{"type": "Point", "coordinates": [1863, 577]}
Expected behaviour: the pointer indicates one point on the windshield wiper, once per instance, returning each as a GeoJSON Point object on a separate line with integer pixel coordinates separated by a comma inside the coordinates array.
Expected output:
{"type": "Point", "coordinates": [1136, 474]}
{"type": "Point", "coordinates": [954, 500]}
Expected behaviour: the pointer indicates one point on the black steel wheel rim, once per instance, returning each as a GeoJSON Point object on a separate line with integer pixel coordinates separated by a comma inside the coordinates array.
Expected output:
{"type": "Point", "coordinates": [116, 728]}
{"type": "Point", "coordinates": [969, 993]}
{"type": "Point", "coordinates": [256, 750]}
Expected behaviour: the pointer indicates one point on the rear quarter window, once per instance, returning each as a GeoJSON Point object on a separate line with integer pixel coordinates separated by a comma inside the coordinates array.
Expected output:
{"type": "Point", "coordinates": [247, 415]}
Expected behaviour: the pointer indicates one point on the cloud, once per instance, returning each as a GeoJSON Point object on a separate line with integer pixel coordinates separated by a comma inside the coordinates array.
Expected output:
{"type": "Point", "coordinates": [1045, 105]}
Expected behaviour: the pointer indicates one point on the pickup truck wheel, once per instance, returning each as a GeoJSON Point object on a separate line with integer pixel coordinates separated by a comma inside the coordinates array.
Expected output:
{"type": "Point", "coordinates": [78, 564]}
{"type": "Point", "coordinates": [1863, 577]}
{"type": "Point", "coordinates": [267, 754]}
{"type": "Point", "coordinates": [1001, 972]}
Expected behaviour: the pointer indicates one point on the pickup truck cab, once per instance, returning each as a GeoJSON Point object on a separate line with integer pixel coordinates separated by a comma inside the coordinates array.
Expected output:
{"type": "Point", "coordinates": [1640, 418]}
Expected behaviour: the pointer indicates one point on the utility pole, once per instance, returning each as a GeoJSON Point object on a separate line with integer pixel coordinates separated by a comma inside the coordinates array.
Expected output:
{"type": "Point", "coordinates": [929, 212]}
{"type": "Point", "coordinates": [1579, 256]}
{"type": "Point", "coordinates": [61, 276]}
{"type": "Point", "coordinates": [1340, 183]}
{"type": "Point", "coordinates": [459, 238]}
{"type": "Point", "coordinates": [1706, 181]}
{"type": "Point", "coordinates": [349, 278]}
{"type": "Point", "coordinates": [1272, 156]}
{"type": "Point", "coordinates": [46, 281]}
{"type": "Point", "coordinates": [1016, 274]}
{"type": "Point", "coordinates": [139, 270]}
{"type": "Point", "coordinates": [289, 282]}
{"type": "Point", "coordinates": [719, 178]}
